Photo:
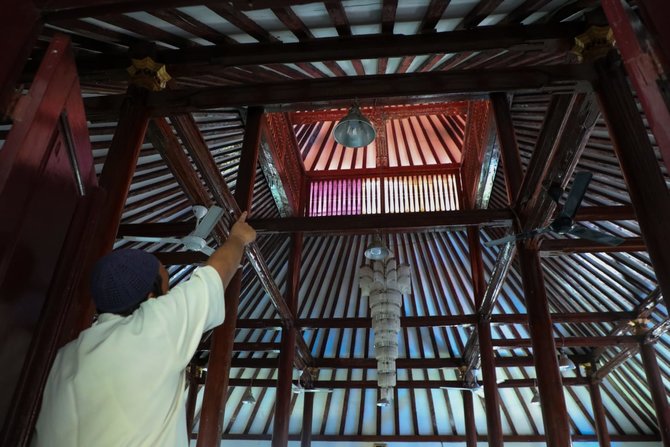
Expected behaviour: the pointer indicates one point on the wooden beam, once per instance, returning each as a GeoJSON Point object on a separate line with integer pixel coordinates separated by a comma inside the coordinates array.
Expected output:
{"type": "Point", "coordinates": [193, 388]}
{"type": "Point", "coordinates": [545, 38]}
{"type": "Point", "coordinates": [71, 9]}
{"type": "Point", "coordinates": [557, 77]}
{"type": "Point", "coordinates": [405, 439]}
{"type": "Point", "coordinates": [288, 348]}
{"type": "Point", "coordinates": [441, 320]}
{"type": "Point", "coordinates": [652, 13]}
{"type": "Point", "coordinates": [659, 394]}
{"type": "Point", "coordinates": [646, 185]}
{"type": "Point", "coordinates": [469, 415]}
{"type": "Point", "coordinates": [554, 409]}
{"type": "Point", "coordinates": [485, 345]}
{"type": "Point", "coordinates": [370, 363]}
{"type": "Point", "coordinates": [558, 247]}
{"type": "Point", "coordinates": [642, 311]}
{"type": "Point", "coordinates": [565, 131]}
{"type": "Point", "coordinates": [642, 65]}
{"type": "Point", "coordinates": [256, 347]}
{"type": "Point", "coordinates": [307, 418]}
{"type": "Point", "coordinates": [437, 220]}
{"type": "Point", "coordinates": [189, 133]}
{"type": "Point", "coordinates": [618, 359]}
{"type": "Point", "coordinates": [401, 384]}
{"type": "Point", "coordinates": [218, 370]}
{"type": "Point", "coordinates": [599, 414]}
{"type": "Point", "coordinates": [397, 222]}
{"type": "Point", "coordinates": [618, 340]}
{"type": "Point", "coordinates": [20, 26]}
{"type": "Point", "coordinates": [512, 166]}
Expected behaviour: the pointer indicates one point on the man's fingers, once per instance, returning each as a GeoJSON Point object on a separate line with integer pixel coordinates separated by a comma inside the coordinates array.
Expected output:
{"type": "Point", "coordinates": [243, 217]}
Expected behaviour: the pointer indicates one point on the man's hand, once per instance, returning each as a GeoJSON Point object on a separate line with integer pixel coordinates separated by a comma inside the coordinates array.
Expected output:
{"type": "Point", "coordinates": [242, 231]}
{"type": "Point", "coordinates": [227, 258]}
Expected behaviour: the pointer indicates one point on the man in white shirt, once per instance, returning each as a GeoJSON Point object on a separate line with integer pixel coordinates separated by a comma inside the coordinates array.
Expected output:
{"type": "Point", "coordinates": [121, 383]}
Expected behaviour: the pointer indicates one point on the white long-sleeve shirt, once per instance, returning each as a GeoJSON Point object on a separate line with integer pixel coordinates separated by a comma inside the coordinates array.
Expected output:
{"type": "Point", "coordinates": [121, 383]}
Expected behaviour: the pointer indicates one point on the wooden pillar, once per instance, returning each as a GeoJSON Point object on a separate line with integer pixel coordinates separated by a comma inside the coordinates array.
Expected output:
{"type": "Point", "coordinates": [115, 180]}
{"type": "Point", "coordinates": [19, 27]}
{"type": "Point", "coordinates": [287, 354]}
{"type": "Point", "coordinates": [658, 393]}
{"type": "Point", "coordinates": [307, 416]}
{"type": "Point", "coordinates": [469, 414]}
{"type": "Point", "coordinates": [549, 380]}
{"type": "Point", "coordinates": [509, 148]}
{"type": "Point", "coordinates": [554, 410]}
{"type": "Point", "coordinates": [654, 16]}
{"type": "Point", "coordinates": [641, 63]}
{"type": "Point", "coordinates": [49, 199]}
{"type": "Point", "coordinates": [599, 413]}
{"type": "Point", "coordinates": [193, 377]}
{"type": "Point", "coordinates": [646, 186]}
{"type": "Point", "coordinates": [119, 168]}
{"type": "Point", "coordinates": [223, 337]}
{"type": "Point", "coordinates": [491, 396]}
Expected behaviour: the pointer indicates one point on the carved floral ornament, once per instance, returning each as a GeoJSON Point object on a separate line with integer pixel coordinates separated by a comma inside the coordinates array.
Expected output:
{"type": "Point", "coordinates": [148, 74]}
{"type": "Point", "coordinates": [595, 43]}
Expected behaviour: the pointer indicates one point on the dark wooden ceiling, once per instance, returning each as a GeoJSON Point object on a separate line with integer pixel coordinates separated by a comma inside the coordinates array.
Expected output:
{"type": "Point", "coordinates": [292, 56]}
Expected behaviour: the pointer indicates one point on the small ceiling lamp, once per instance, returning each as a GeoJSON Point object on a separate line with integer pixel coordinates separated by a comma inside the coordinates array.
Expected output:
{"type": "Point", "coordinates": [377, 250]}
{"type": "Point", "coordinates": [565, 363]}
{"type": "Point", "coordinates": [248, 397]}
{"type": "Point", "coordinates": [536, 397]}
{"type": "Point", "coordinates": [354, 130]}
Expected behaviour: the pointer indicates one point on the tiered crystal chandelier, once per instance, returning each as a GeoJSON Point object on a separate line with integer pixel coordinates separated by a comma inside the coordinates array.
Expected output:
{"type": "Point", "coordinates": [385, 282]}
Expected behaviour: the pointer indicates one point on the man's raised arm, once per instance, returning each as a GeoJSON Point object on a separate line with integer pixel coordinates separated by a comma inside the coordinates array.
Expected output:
{"type": "Point", "coordinates": [226, 259]}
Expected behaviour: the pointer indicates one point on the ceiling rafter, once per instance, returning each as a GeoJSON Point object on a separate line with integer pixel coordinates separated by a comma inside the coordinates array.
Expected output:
{"type": "Point", "coordinates": [557, 78]}
{"type": "Point", "coordinates": [545, 38]}
{"type": "Point", "coordinates": [192, 139]}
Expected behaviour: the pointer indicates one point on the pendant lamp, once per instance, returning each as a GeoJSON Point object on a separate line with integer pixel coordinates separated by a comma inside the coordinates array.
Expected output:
{"type": "Point", "coordinates": [248, 397]}
{"type": "Point", "coordinates": [536, 397]}
{"type": "Point", "coordinates": [377, 250]}
{"type": "Point", "coordinates": [354, 130]}
{"type": "Point", "coordinates": [565, 363]}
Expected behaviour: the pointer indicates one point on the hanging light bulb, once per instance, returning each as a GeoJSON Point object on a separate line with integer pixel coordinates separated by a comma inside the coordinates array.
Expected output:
{"type": "Point", "coordinates": [248, 397]}
{"type": "Point", "coordinates": [536, 397]}
{"type": "Point", "coordinates": [384, 399]}
{"type": "Point", "coordinates": [565, 363]}
{"type": "Point", "coordinates": [354, 130]}
{"type": "Point", "coordinates": [377, 250]}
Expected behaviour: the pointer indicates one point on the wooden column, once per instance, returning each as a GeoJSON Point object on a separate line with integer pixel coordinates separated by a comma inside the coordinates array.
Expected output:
{"type": "Point", "coordinates": [554, 410]}
{"type": "Point", "coordinates": [287, 354]}
{"type": "Point", "coordinates": [509, 148]}
{"type": "Point", "coordinates": [654, 16]}
{"type": "Point", "coordinates": [19, 27]}
{"type": "Point", "coordinates": [599, 413]}
{"type": "Point", "coordinates": [491, 397]}
{"type": "Point", "coordinates": [119, 168]}
{"type": "Point", "coordinates": [641, 63]}
{"type": "Point", "coordinates": [218, 371]}
{"type": "Point", "coordinates": [193, 377]}
{"type": "Point", "coordinates": [307, 416]}
{"type": "Point", "coordinates": [646, 186]}
{"type": "Point", "coordinates": [658, 393]}
{"type": "Point", "coordinates": [549, 380]}
{"type": "Point", "coordinates": [115, 180]}
{"type": "Point", "coordinates": [469, 414]}
{"type": "Point", "coordinates": [49, 199]}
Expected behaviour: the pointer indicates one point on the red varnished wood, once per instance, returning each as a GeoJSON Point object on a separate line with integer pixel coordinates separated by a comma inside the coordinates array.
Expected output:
{"type": "Point", "coordinates": [19, 28]}
{"type": "Point", "coordinates": [213, 406]}
{"type": "Point", "coordinates": [48, 195]}
{"type": "Point", "coordinates": [287, 355]}
{"type": "Point", "coordinates": [641, 66]}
